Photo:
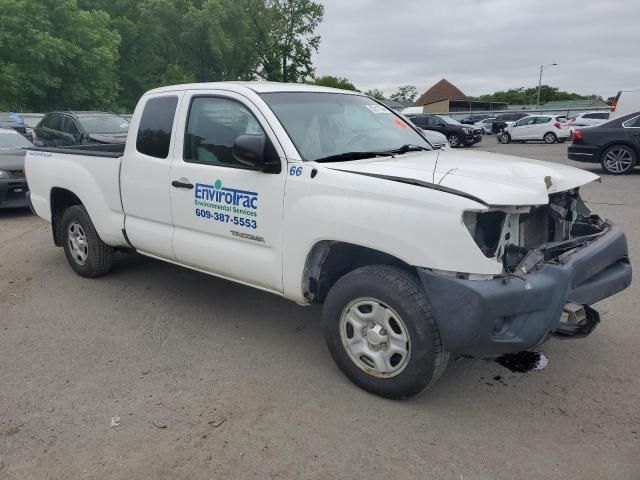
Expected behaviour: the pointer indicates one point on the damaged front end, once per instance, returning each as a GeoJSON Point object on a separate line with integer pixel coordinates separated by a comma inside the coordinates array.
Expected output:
{"type": "Point", "coordinates": [522, 238]}
{"type": "Point", "coordinates": [557, 259]}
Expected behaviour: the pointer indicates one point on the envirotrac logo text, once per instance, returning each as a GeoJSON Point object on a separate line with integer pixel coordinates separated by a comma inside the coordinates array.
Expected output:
{"type": "Point", "coordinates": [226, 199]}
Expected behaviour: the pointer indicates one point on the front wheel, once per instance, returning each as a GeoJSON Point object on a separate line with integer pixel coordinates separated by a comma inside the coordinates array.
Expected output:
{"type": "Point", "coordinates": [454, 140]}
{"type": "Point", "coordinates": [618, 160]}
{"type": "Point", "coordinates": [378, 326]}
{"type": "Point", "coordinates": [504, 137]}
{"type": "Point", "coordinates": [87, 254]}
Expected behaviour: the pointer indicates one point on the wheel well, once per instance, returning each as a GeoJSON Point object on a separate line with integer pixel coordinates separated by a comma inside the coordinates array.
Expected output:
{"type": "Point", "coordinates": [615, 143]}
{"type": "Point", "coordinates": [60, 200]}
{"type": "Point", "coordinates": [328, 261]}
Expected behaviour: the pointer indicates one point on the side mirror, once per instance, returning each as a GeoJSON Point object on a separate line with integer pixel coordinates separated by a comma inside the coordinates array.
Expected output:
{"type": "Point", "coordinates": [249, 149]}
{"type": "Point", "coordinates": [257, 152]}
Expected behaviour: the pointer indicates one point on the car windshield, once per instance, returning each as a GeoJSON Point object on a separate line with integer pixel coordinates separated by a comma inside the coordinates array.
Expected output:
{"type": "Point", "coordinates": [449, 120]}
{"type": "Point", "coordinates": [104, 124]}
{"type": "Point", "coordinates": [11, 139]}
{"type": "Point", "coordinates": [327, 124]}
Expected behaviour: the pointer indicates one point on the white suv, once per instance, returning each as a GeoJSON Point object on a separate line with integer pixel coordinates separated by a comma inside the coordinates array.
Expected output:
{"type": "Point", "coordinates": [548, 128]}
{"type": "Point", "coordinates": [587, 119]}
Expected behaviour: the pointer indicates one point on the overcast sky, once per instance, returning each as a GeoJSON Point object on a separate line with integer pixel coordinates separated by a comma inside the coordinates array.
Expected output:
{"type": "Point", "coordinates": [482, 45]}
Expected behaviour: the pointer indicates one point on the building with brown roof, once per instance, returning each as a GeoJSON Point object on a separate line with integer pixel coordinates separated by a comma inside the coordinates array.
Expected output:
{"type": "Point", "coordinates": [444, 96]}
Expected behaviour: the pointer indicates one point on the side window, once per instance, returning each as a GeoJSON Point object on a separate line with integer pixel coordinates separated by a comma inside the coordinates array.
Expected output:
{"type": "Point", "coordinates": [213, 126]}
{"type": "Point", "coordinates": [54, 122]}
{"type": "Point", "coordinates": [526, 121]}
{"type": "Point", "coordinates": [156, 125]}
{"type": "Point", "coordinates": [68, 125]}
{"type": "Point", "coordinates": [420, 121]}
{"type": "Point", "coordinates": [602, 116]}
{"type": "Point", "coordinates": [539, 120]}
{"type": "Point", "coordinates": [632, 123]}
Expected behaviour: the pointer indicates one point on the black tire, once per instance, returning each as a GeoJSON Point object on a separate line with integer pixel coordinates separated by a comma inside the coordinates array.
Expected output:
{"type": "Point", "coordinates": [454, 140]}
{"type": "Point", "coordinates": [550, 138]}
{"type": "Point", "coordinates": [400, 292]}
{"type": "Point", "coordinates": [99, 255]}
{"type": "Point", "coordinates": [504, 137]}
{"type": "Point", "coordinates": [627, 160]}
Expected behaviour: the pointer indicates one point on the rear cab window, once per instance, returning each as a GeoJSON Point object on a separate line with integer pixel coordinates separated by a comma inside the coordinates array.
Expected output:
{"type": "Point", "coordinates": [156, 126]}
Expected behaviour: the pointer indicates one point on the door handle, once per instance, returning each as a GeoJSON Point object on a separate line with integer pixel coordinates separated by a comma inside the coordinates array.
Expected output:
{"type": "Point", "coordinates": [179, 184]}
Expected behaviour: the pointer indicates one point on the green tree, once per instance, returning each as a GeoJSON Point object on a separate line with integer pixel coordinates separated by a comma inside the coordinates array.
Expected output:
{"type": "Point", "coordinates": [524, 96]}
{"type": "Point", "coordinates": [375, 93]}
{"type": "Point", "coordinates": [55, 55]}
{"type": "Point", "coordinates": [334, 82]}
{"type": "Point", "coordinates": [286, 37]}
{"type": "Point", "coordinates": [406, 93]}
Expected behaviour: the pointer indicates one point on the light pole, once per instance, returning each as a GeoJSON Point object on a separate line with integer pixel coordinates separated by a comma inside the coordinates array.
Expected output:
{"type": "Point", "coordinates": [542, 69]}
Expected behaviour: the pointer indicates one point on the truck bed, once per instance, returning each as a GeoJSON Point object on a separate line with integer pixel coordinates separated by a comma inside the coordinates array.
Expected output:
{"type": "Point", "coordinates": [111, 150]}
{"type": "Point", "coordinates": [89, 172]}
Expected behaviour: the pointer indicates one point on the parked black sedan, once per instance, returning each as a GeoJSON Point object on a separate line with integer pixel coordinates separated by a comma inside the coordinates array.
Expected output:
{"type": "Point", "coordinates": [457, 134]}
{"type": "Point", "coordinates": [615, 144]}
{"type": "Point", "coordinates": [13, 184]}
{"type": "Point", "coordinates": [62, 129]}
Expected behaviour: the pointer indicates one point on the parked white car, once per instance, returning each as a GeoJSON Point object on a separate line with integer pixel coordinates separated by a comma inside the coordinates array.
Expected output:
{"type": "Point", "coordinates": [627, 101]}
{"type": "Point", "coordinates": [437, 139]}
{"type": "Point", "coordinates": [587, 119]}
{"type": "Point", "coordinates": [324, 196]}
{"type": "Point", "coordinates": [548, 128]}
{"type": "Point", "coordinates": [486, 125]}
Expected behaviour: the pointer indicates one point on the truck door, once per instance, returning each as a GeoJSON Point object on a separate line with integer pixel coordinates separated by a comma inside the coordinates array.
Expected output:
{"type": "Point", "coordinates": [144, 177]}
{"type": "Point", "coordinates": [228, 217]}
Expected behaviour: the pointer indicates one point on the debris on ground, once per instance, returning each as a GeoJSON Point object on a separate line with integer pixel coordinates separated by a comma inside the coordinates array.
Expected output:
{"type": "Point", "coordinates": [216, 422]}
{"type": "Point", "coordinates": [115, 422]}
{"type": "Point", "coordinates": [159, 424]}
{"type": "Point", "coordinates": [523, 362]}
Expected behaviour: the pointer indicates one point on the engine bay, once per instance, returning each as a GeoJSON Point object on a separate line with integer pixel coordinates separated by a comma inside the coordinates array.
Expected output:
{"type": "Point", "coordinates": [523, 237]}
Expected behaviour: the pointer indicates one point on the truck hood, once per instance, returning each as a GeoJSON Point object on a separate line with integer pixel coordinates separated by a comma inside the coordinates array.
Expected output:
{"type": "Point", "coordinates": [492, 178]}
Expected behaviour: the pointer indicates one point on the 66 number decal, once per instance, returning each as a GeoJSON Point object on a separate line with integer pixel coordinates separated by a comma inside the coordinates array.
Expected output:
{"type": "Point", "coordinates": [295, 171]}
{"type": "Point", "coordinates": [224, 218]}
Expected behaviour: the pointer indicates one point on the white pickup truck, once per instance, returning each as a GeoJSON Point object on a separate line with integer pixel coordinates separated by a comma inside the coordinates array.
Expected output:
{"type": "Point", "coordinates": [326, 196]}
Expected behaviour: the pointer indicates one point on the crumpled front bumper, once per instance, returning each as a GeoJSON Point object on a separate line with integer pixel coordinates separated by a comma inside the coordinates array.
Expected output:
{"type": "Point", "coordinates": [504, 315]}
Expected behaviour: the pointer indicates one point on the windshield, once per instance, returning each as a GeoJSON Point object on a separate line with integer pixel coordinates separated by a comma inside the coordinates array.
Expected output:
{"type": "Point", "coordinates": [448, 120]}
{"type": "Point", "coordinates": [327, 124]}
{"type": "Point", "coordinates": [104, 124]}
{"type": "Point", "coordinates": [12, 139]}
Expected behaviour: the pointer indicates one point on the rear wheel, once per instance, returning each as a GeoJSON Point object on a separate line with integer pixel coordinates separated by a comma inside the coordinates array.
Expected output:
{"type": "Point", "coordinates": [378, 326]}
{"type": "Point", "coordinates": [618, 160]}
{"type": "Point", "coordinates": [87, 254]}
{"type": "Point", "coordinates": [550, 138]}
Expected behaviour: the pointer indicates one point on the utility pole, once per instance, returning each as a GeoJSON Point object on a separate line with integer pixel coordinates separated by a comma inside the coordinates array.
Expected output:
{"type": "Point", "coordinates": [542, 69]}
